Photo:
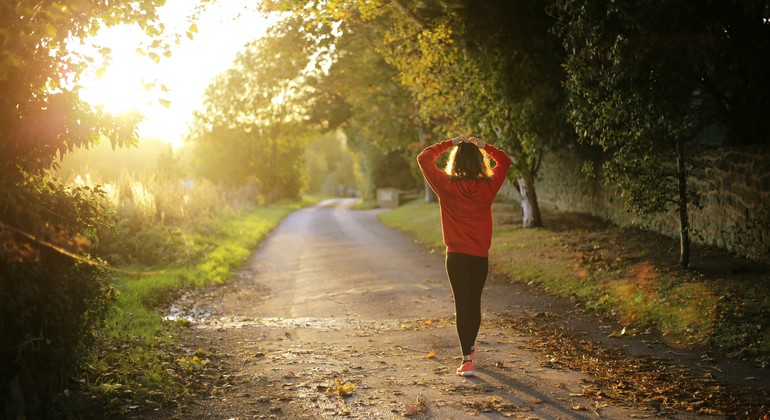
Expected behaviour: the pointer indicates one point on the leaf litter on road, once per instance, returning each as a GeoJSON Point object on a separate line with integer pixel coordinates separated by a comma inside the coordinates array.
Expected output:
{"type": "Point", "coordinates": [418, 407]}
{"type": "Point", "coordinates": [637, 381]}
{"type": "Point", "coordinates": [339, 388]}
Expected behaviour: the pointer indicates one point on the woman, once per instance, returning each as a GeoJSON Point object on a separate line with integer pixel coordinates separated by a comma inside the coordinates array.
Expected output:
{"type": "Point", "coordinates": [465, 191]}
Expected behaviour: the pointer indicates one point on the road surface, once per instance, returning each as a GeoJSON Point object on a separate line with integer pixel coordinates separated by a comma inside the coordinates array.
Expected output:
{"type": "Point", "coordinates": [337, 315]}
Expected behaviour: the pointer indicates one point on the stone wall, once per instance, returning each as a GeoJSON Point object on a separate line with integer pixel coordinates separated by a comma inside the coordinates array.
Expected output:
{"type": "Point", "coordinates": [734, 187]}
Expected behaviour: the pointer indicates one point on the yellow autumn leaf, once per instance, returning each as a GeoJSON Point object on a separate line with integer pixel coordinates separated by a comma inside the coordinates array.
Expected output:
{"type": "Point", "coordinates": [620, 333]}
{"type": "Point", "coordinates": [430, 355]}
{"type": "Point", "coordinates": [347, 390]}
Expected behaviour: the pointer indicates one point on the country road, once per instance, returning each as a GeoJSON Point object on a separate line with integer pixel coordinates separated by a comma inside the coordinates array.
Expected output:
{"type": "Point", "coordinates": [337, 315]}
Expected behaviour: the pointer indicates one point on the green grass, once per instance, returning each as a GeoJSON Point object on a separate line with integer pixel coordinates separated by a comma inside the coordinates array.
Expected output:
{"type": "Point", "coordinates": [136, 312]}
{"type": "Point", "coordinates": [365, 205]}
{"type": "Point", "coordinates": [419, 219]}
{"type": "Point", "coordinates": [134, 359]}
{"type": "Point", "coordinates": [617, 273]}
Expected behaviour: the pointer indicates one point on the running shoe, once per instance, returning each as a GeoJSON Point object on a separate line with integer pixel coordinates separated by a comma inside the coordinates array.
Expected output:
{"type": "Point", "coordinates": [466, 369]}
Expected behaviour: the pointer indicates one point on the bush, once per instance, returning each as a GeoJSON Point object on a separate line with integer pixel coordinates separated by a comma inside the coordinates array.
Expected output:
{"type": "Point", "coordinates": [153, 216]}
{"type": "Point", "coordinates": [50, 298]}
{"type": "Point", "coordinates": [48, 309]}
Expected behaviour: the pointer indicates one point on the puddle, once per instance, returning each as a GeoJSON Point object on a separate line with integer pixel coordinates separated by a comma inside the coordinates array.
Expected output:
{"type": "Point", "coordinates": [234, 322]}
{"type": "Point", "coordinates": [191, 307]}
{"type": "Point", "coordinates": [194, 309]}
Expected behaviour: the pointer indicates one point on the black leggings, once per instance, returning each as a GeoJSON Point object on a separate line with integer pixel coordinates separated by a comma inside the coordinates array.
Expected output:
{"type": "Point", "coordinates": [467, 275]}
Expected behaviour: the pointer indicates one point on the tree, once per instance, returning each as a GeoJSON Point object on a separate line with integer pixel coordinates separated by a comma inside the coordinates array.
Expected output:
{"type": "Point", "coordinates": [514, 43]}
{"type": "Point", "coordinates": [643, 84]}
{"type": "Point", "coordinates": [490, 68]}
{"type": "Point", "coordinates": [463, 72]}
{"type": "Point", "coordinates": [252, 128]}
{"type": "Point", "coordinates": [348, 86]}
{"type": "Point", "coordinates": [50, 295]}
{"type": "Point", "coordinates": [381, 125]}
{"type": "Point", "coordinates": [40, 112]}
{"type": "Point", "coordinates": [330, 167]}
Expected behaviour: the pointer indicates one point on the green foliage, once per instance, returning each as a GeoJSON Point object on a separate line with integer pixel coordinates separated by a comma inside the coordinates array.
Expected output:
{"type": "Point", "coordinates": [491, 69]}
{"type": "Point", "coordinates": [315, 76]}
{"type": "Point", "coordinates": [268, 159]}
{"type": "Point", "coordinates": [382, 111]}
{"type": "Point", "coordinates": [51, 296]}
{"type": "Point", "coordinates": [375, 168]}
{"type": "Point", "coordinates": [251, 131]}
{"type": "Point", "coordinates": [48, 309]}
{"type": "Point", "coordinates": [641, 82]}
{"type": "Point", "coordinates": [150, 245]}
{"type": "Point", "coordinates": [644, 85]}
{"type": "Point", "coordinates": [382, 127]}
{"type": "Point", "coordinates": [40, 111]}
{"type": "Point", "coordinates": [153, 215]}
{"type": "Point", "coordinates": [329, 166]}
{"type": "Point", "coordinates": [614, 103]}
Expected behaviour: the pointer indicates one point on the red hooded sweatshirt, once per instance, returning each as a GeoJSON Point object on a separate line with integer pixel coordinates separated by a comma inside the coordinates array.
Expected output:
{"type": "Point", "coordinates": [466, 206]}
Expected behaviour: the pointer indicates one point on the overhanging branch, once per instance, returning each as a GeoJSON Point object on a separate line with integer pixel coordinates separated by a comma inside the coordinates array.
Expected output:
{"type": "Point", "coordinates": [409, 14]}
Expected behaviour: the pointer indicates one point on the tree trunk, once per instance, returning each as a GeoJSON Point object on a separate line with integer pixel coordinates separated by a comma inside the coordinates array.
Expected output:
{"type": "Point", "coordinates": [430, 196]}
{"type": "Point", "coordinates": [526, 182]}
{"type": "Point", "coordinates": [530, 209]}
{"type": "Point", "coordinates": [684, 228]}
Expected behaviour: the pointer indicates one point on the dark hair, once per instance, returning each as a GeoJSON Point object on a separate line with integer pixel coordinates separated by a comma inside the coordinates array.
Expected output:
{"type": "Point", "coordinates": [468, 163]}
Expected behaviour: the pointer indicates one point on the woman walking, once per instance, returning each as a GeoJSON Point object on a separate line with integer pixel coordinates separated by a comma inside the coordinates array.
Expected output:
{"type": "Point", "coordinates": [465, 190]}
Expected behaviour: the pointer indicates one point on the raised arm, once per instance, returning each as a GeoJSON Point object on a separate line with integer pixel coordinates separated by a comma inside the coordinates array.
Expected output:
{"type": "Point", "coordinates": [427, 161]}
{"type": "Point", "coordinates": [503, 164]}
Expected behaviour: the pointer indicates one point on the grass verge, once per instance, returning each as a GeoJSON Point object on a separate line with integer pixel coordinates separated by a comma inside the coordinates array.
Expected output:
{"type": "Point", "coordinates": [630, 275]}
{"type": "Point", "coordinates": [135, 360]}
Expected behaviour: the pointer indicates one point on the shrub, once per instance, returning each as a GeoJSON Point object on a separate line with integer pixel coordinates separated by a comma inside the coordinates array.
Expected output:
{"type": "Point", "coordinates": [152, 216]}
{"type": "Point", "coordinates": [50, 297]}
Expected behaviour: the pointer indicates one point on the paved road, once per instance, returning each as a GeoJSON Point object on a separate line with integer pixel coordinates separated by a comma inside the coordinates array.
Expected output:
{"type": "Point", "coordinates": [328, 261]}
{"type": "Point", "coordinates": [337, 315]}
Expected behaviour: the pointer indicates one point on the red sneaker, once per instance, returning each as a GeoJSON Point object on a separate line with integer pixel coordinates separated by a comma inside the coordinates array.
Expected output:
{"type": "Point", "coordinates": [466, 369]}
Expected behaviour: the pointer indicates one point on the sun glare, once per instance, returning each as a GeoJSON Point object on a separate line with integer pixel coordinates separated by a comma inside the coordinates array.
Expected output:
{"type": "Point", "coordinates": [167, 92]}
{"type": "Point", "coordinates": [122, 86]}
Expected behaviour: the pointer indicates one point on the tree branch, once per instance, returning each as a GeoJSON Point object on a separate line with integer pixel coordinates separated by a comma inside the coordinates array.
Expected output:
{"type": "Point", "coordinates": [62, 251]}
{"type": "Point", "coordinates": [409, 14]}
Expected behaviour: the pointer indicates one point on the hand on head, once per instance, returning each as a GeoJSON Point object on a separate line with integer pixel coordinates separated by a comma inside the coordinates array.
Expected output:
{"type": "Point", "coordinates": [477, 141]}
{"type": "Point", "coordinates": [462, 139]}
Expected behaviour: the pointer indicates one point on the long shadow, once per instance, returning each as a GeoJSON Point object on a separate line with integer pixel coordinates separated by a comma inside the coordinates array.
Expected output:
{"type": "Point", "coordinates": [512, 383]}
